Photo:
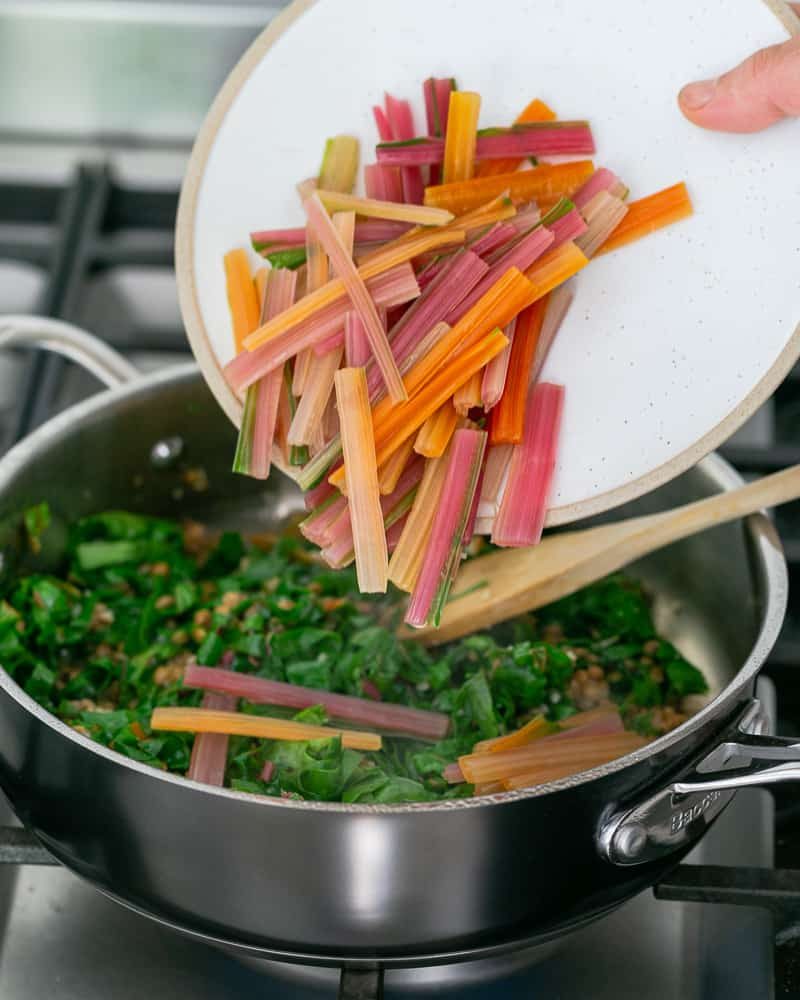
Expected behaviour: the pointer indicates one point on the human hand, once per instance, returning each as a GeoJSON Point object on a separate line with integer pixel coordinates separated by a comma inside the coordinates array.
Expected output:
{"type": "Point", "coordinates": [762, 90]}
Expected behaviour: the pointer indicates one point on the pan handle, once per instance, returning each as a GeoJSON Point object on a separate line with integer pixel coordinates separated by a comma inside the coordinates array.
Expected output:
{"type": "Point", "coordinates": [86, 350]}
{"type": "Point", "coordinates": [676, 816]}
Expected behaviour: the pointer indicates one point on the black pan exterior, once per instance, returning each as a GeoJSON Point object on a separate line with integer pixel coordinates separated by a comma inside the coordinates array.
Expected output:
{"type": "Point", "coordinates": [325, 879]}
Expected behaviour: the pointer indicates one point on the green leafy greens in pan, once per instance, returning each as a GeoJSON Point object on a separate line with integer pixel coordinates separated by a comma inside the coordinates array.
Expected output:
{"type": "Point", "coordinates": [107, 641]}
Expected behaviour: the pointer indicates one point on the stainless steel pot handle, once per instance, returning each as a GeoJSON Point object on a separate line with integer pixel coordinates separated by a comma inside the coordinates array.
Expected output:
{"type": "Point", "coordinates": [91, 353]}
{"type": "Point", "coordinates": [678, 814]}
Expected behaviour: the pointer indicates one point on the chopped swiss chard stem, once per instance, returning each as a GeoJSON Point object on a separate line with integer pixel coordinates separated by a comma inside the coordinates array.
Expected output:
{"type": "Point", "coordinates": [521, 517]}
{"type": "Point", "coordinates": [380, 715]}
{"type": "Point", "coordinates": [520, 141]}
{"type": "Point", "coordinates": [447, 533]}
{"type": "Point", "coordinates": [392, 287]}
{"type": "Point", "coordinates": [601, 180]}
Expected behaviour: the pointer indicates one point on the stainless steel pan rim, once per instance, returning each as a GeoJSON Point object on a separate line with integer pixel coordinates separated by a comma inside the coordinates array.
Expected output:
{"type": "Point", "coordinates": [762, 533]}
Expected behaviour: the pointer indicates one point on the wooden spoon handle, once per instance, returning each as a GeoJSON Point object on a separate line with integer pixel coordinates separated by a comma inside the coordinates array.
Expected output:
{"type": "Point", "coordinates": [509, 582]}
{"type": "Point", "coordinates": [770, 491]}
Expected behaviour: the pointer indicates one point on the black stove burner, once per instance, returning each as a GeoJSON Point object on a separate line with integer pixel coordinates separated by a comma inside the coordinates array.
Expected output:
{"type": "Point", "coordinates": [73, 233]}
{"type": "Point", "coordinates": [773, 889]}
{"type": "Point", "coordinates": [361, 984]}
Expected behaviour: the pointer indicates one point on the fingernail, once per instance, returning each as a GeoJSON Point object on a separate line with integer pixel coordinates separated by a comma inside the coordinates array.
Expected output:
{"type": "Point", "coordinates": [697, 95]}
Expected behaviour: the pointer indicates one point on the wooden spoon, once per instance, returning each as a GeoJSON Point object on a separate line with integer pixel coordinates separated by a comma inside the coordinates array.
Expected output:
{"type": "Point", "coordinates": [508, 583]}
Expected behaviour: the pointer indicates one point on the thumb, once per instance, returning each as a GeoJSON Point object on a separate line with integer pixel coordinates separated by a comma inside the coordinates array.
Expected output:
{"type": "Point", "coordinates": [761, 91]}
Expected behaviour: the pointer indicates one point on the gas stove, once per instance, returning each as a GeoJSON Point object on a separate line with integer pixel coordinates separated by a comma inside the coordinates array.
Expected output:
{"type": "Point", "coordinates": [98, 251]}
{"type": "Point", "coordinates": [647, 950]}
{"type": "Point", "coordinates": [88, 194]}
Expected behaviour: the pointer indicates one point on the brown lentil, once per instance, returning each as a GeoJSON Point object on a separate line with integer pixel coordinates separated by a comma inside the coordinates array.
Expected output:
{"type": "Point", "coordinates": [169, 674]}
{"type": "Point", "coordinates": [102, 616]}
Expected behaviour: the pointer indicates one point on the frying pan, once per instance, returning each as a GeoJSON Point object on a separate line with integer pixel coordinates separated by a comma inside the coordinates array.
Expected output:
{"type": "Point", "coordinates": [401, 884]}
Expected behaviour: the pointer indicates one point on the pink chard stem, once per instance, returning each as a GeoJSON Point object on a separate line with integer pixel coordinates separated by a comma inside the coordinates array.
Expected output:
{"type": "Point", "coordinates": [520, 519]}
{"type": "Point", "coordinates": [401, 123]}
{"type": "Point", "coordinates": [383, 183]}
{"type": "Point", "coordinates": [367, 231]}
{"type": "Point", "coordinates": [356, 346]}
{"type": "Point", "coordinates": [452, 515]}
{"type": "Point", "coordinates": [601, 180]}
{"type": "Point", "coordinates": [382, 124]}
{"type": "Point", "coordinates": [317, 526]}
{"type": "Point", "coordinates": [393, 533]}
{"type": "Point", "coordinates": [522, 254]}
{"type": "Point", "coordinates": [501, 235]}
{"type": "Point", "coordinates": [342, 263]}
{"type": "Point", "coordinates": [313, 498]}
{"type": "Point", "coordinates": [461, 274]}
{"type": "Point", "coordinates": [381, 715]}
{"type": "Point", "coordinates": [437, 105]}
{"type": "Point", "coordinates": [568, 227]}
{"type": "Point", "coordinates": [519, 141]}
{"type": "Point", "coordinates": [338, 548]}
{"type": "Point", "coordinates": [494, 375]}
{"type": "Point", "coordinates": [210, 750]}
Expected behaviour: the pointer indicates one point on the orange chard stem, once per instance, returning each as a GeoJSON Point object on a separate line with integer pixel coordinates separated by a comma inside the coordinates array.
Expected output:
{"type": "Point", "coordinates": [260, 284]}
{"type": "Point", "coordinates": [593, 757]}
{"type": "Point", "coordinates": [554, 268]}
{"type": "Point", "coordinates": [242, 296]}
{"type": "Point", "coordinates": [406, 418]}
{"type": "Point", "coordinates": [205, 720]}
{"type": "Point", "coordinates": [434, 435]}
{"type": "Point", "coordinates": [501, 303]}
{"type": "Point", "coordinates": [575, 753]}
{"type": "Point", "coordinates": [390, 472]}
{"type": "Point", "coordinates": [469, 395]}
{"type": "Point", "coordinates": [533, 730]}
{"type": "Point", "coordinates": [508, 417]}
{"type": "Point", "coordinates": [361, 473]}
{"type": "Point", "coordinates": [647, 215]}
{"type": "Point", "coordinates": [461, 136]}
{"type": "Point", "coordinates": [545, 183]}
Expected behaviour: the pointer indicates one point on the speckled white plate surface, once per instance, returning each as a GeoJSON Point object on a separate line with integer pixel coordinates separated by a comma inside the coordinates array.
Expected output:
{"type": "Point", "coordinates": [670, 343]}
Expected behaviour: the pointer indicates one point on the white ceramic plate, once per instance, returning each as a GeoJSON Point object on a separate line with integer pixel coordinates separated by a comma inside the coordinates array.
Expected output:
{"type": "Point", "coordinates": [670, 343]}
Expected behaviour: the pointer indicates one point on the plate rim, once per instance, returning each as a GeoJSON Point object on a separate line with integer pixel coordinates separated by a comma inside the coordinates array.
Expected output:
{"type": "Point", "coordinates": [200, 342]}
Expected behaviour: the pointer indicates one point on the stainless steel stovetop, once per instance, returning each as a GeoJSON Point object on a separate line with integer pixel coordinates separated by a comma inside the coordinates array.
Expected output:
{"type": "Point", "coordinates": [67, 103]}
